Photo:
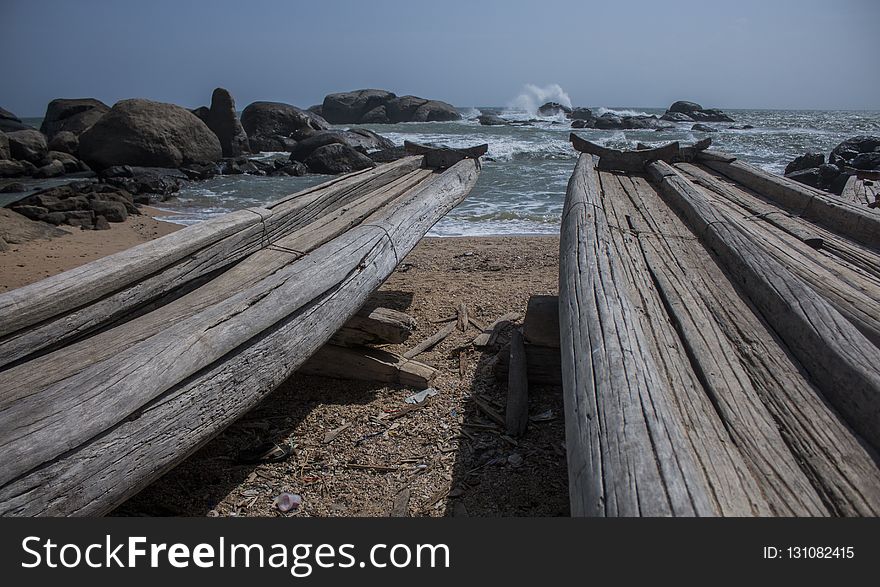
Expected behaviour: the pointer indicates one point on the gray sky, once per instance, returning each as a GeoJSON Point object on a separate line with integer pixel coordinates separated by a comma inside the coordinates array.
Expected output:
{"type": "Point", "coordinates": [743, 54]}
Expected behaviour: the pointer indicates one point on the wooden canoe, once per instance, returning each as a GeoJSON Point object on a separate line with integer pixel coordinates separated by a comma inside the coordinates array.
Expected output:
{"type": "Point", "coordinates": [112, 373]}
{"type": "Point", "coordinates": [719, 350]}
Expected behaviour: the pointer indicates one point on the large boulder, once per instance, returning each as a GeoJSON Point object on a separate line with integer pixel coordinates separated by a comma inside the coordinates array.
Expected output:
{"type": "Point", "coordinates": [378, 115]}
{"type": "Point", "coordinates": [10, 122]}
{"type": "Point", "coordinates": [275, 126]}
{"type": "Point", "coordinates": [491, 120]}
{"type": "Point", "coordinates": [146, 133]}
{"type": "Point", "coordinates": [361, 140]}
{"type": "Point", "coordinates": [581, 113]}
{"type": "Point", "coordinates": [27, 145]}
{"type": "Point", "coordinates": [848, 150]}
{"type": "Point", "coordinates": [553, 109]}
{"type": "Point", "coordinates": [805, 161]}
{"type": "Point", "coordinates": [699, 127]}
{"type": "Point", "coordinates": [65, 142]}
{"type": "Point", "coordinates": [696, 113]}
{"type": "Point", "coordinates": [337, 158]}
{"type": "Point", "coordinates": [223, 121]}
{"type": "Point", "coordinates": [350, 107]}
{"type": "Point", "coordinates": [867, 161]}
{"type": "Point", "coordinates": [16, 228]}
{"type": "Point", "coordinates": [5, 153]}
{"type": "Point", "coordinates": [75, 115]}
{"type": "Point", "coordinates": [435, 111]}
{"type": "Point", "coordinates": [670, 116]}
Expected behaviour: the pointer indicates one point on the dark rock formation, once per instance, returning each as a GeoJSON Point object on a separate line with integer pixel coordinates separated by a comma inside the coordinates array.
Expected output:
{"type": "Point", "coordinates": [696, 112]}
{"type": "Point", "coordinates": [275, 126]}
{"type": "Point", "coordinates": [491, 120]}
{"type": "Point", "coordinates": [867, 161]}
{"type": "Point", "coordinates": [380, 106]}
{"type": "Point", "coordinates": [808, 177]}
{"type": "Point", "coordinates": [337, 158]}
{"type": "Point", "coordinates": [156, 181]}
{"type": "Point", "coordinates": [699, 127]}
{"type": "Point", "coordinates": [553, 109]}
{"type": "Point", "coordinates": [27, 145]}
{"type": "Point", "coordinates": [9, 122]}
{"type": "Point", "coordinates": [52, 169]}
{"type": "Point", "coordinates": [361, 140]}
{"type": "Point", "coordinates": [77, 204]}
{"type": "Point", "coordinates": [846, 152]}
{"type": "Point", "coordinates": [611, 121]}
{"type": "Point", "coordinates": [75, 115]}
{"type": "Point", "coordinates": [581, 113]}
{"type": "Point", "coordinates": [388, 155]}
{"type": "Point", "coordinates": [146, 133]}
{"type": "Point", "coordinates": [805, 161]}
{"type": "Point", "coordinates": [16, 229]}
{"type": "Point", "coordinates": [670, 116]}
{"type": "Point", "coordinates": [5, 153]}
{"type": "Point", "coordinates": [65, 142]}
{"type": "Point", "coordinates": [223, 121]}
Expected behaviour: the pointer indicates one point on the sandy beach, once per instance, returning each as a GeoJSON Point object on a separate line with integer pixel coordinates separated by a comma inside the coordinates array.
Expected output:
{"type": "Point", "coordinates": [448, 457]}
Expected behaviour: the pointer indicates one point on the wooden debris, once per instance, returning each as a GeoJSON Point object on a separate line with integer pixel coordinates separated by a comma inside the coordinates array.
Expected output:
{"type": "Point", "coordinates": [331, 435]}
{"type": "Point", "coordinates": [368, 364]}
{"type": "Point", "coordinates": [615, 159]}
{"type": "Point", "coordinates": [375, 326]}
{"type": "Point", "coordinates": [443, 157]}
{"type": "Point", "coordinates": [516, 415]}
{"type": "Point", "coordinates": [462, 317]}
{"type": "Point", "coordinates": [489, 411]}
{"type": "Point", "coordinates": [490, 334]}
{"type": "Point", "coordinates": [431, 341]}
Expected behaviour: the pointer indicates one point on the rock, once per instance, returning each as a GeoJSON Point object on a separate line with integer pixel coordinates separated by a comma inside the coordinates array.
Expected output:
{"type": "Point", "coordinates": [580, 123]}
{"type": "Point", "coordinates": [146, 133]}
{"type": "Point", "coordinates": [112, 211]}
{"type": "Point", "coordinates": [809, 177]}
{"type": "Point", "coordinates": [202, 112]}
{"type": "Point", "coordinates": [101, 223]}
{"type": "Point", "coordinates": [838, 183]}
{"type": "Point", "coordinates": [362, 138]}
{"type": "Point", "coordinates": [359, 139]}
{"type": "Point", "coordinates": [581, 113]}
{"type": "Point", "coordinates": [223, 121]}
{"type": "Point", "coordinates": [853, 146]}
{"type": "Point", "coordinates": [553, 109]}
{"type": "Point", "coordinates": [867, 161]}
{"type": "Point", "coordinates": [388, 155]}
{"type": "Point", "coordinates": [805, 161]}
{"type": "Point", "coordinates": [377, 115]}
{"type": "Point", "coordinates": [5, 153]}
{"type": "Point", "coordinates": [684, 107]}
{"type": "Point", "coordinates": [491, 120]}
{"type": "Point", "coordinates": [17, 229]}
{"type": "Point", "coordinates": [28, 145]}
{"type": "Point", "coordinates": [435, 111]}
{"type": "Point", "coordinates": [350, 107]}
{"type": "Point", "coordinates": [9, 122]}
{"type": "Point", "coordinates": [676, 117]}
{"type": "Point", "coordinates": [698, 113]}
{"type": "Point", "coordinates": [13, 188]}
{"type": "Point", "coordinates": [53, 169]}
{"type": "Point", "coordinates": [152, 180]}
{"type": "Point", "coordinates": [741, 127]}
{"type": "Point", "coordinates": [337, 158]}
{"type": "Point", "coordinates": [703, 128]}
{"type": "Point", "coordinates": [271, 125]}
{"type": "Point", "coordinates": [75, 115]}
{"type": "Point", "coordinates": [65, 142]}
{"type": "Point", "coordinates": [294, 168]}
{"type": "Point", "coordinates": [828, 172]}
{"type": "Point", "coordinates": [11, 168]}
{"type": "Point", "coordinates": [609, 121]}
{"type": "Point", "coordinates": [71, 163]}
{"type": "Point", "coordinates": [317, 109]}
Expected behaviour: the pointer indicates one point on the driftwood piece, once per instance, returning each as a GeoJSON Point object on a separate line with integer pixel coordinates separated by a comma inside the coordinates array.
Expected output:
{"type": "Point", "coordinates": [543, 364]}
{"type": "Point", "coordinates": [90, 468]}
{"type": "Point", "coordinates": [366, 364]}
{"type": "Point", "coordinates": [844, 364]}
{"type": "Point", "coordinates": [615, 159]}
{"type": "Point", "coordinates": [489, 334]}
{"type": "Point", "coordinates": [375, 326]}
{"type": "Point", "coordinates": [516, 413]}
{"type": "Point", "coordinates": [443, 157]}
{"type": "Point", "coordinates": [431, 341]}
{"type": "Point", "coordinates": [857, 223]}
{"type": "Point", "coordinates": [714, 155]}
{"type": "Point", "coordinates": [541, 324]}
{"type": "Point", "coordinates": [462, 317]}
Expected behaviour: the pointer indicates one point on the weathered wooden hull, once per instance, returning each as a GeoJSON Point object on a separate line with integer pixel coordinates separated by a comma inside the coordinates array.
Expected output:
{"type": "Point", "coordinates": [182, 345]}
{"type": "Point", "coordinates": [719, 355]}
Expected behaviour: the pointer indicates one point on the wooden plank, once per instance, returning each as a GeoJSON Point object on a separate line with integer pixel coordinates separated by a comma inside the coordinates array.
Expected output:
{"type": "Point", "coordinates": [92, 478]}
{"type": "Point", "coordinates": [843, 363]}
{"type": "Point", "coordinates": [541, 324]}
{"type": "Point", "coordinates": [375, 326]}
{"type": "Point", "coordinates": [483, 339]}
{"type": "Point", "coordinates": [443, 157]}
{"type": "Point", "coordinates": [645, 467]}
{"type": "Point", "coordinates": [857, 223]}
{"type": "Point", "coordinates": [615, 159]}
{"type": "Point", "coordinates": [431, 341]}
{"type": "Point", "coordinates": [366, 364]}
{"type": "Point", "coordinates": [516, 413]}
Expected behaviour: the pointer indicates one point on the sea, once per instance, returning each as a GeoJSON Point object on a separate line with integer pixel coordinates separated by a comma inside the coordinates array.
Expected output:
{"type": "Point", "coordinates": [522, 185]}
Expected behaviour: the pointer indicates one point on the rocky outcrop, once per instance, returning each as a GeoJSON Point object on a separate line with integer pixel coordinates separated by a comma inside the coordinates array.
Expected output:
{"type": "Point", "coordinates": [553, 109]}
{"type": "Point", "coordinates": [223, 121]}
{"type": "Point", "coordinates": [491, 120]}
{"type": "Point", "coordinates": [74, 115]}
{"type": "Point", "coordinates": [848, 150]}
{"type": "Point", "coordinates": [146, 133]}
{"type": "Point", "coordinates": [65, 142]}
{"type": "Point", "coordinates": [9, 122]}
{"type": "Point", "coordinates": [611, 121]}
{"type": "Point", "coordinates": [275, 126]}
{"type": "Point", "coordinates": [81, 204]}
{"type": "Point", "coordinates": [361, 140]}
{"type": "Point", "coordinates": [27, 145]}
{"type": "Point", "coordinates": [382, 107]}
{"type": "Point", "coordinates": [697, 113]}
{"type": "Point", "coordinates": [16, 229]}
{"type": "Point", "coordinates": [581, 113]}
{"type": "Point", "coordinates": [699, 127]}
{"type": "Point", "coordinates": [805, 161]}
{"type": "Point", "coordinates": [670, 116]}
{"type": "Point", "coordinates": [337, 158]}
{"type": "Point", "coordinates": [5, 153]}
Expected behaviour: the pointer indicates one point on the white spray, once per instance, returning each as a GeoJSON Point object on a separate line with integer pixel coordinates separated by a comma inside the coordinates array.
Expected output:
{"type": "Point", "coordinates": [532, 97]}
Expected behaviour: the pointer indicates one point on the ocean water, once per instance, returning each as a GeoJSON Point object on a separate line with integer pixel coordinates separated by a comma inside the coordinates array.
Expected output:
{"type": "Point", "coordinates": [522, 184]}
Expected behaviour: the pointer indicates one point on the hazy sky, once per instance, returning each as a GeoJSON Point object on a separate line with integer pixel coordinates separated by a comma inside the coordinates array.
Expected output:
{"type": "Point", "coordinates": [745, 53]}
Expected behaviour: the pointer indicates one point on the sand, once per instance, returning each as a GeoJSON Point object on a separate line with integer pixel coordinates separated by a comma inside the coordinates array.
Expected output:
{"type": "Point", "coordinates": [447, 457]}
